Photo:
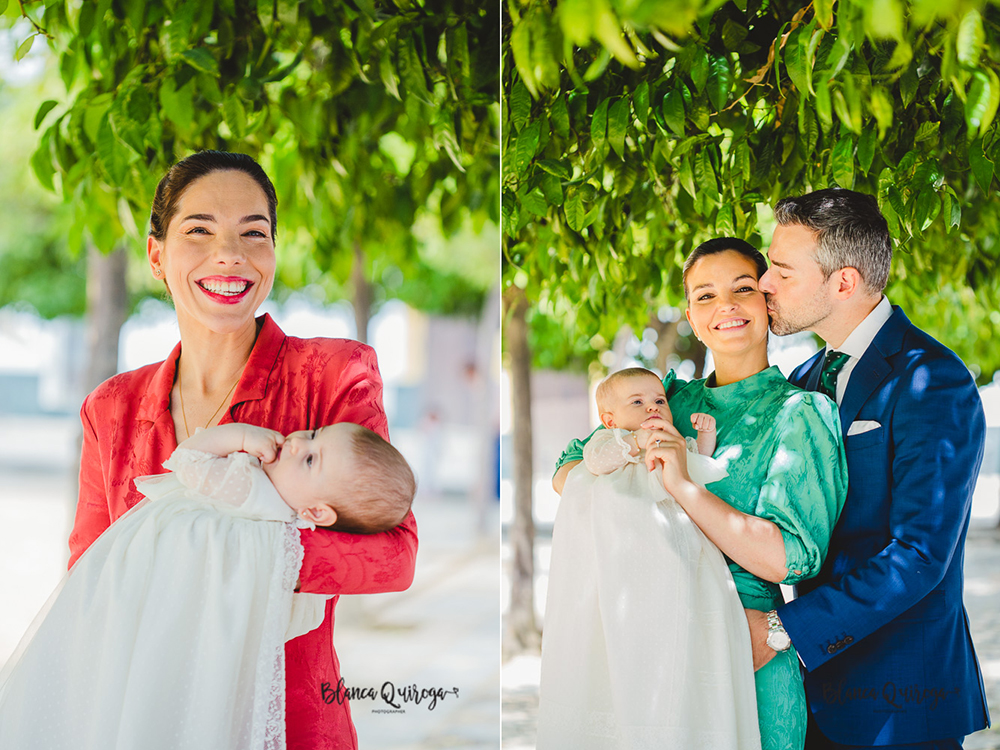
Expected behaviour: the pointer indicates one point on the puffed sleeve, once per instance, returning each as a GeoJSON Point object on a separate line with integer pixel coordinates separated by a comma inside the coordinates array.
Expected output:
{"type": "Point", "coordinates": [805, 487]}
{"type": "Point", "coordinates": [336, 562]}
{"type": "Point", "coordinates": [92, 513]}
{"type": "Point", "coordinates": [226, 479]}
{"type": "Point", "coordinates": [574, 451]}
{"type": "Point", "coordinates": [608, 451]}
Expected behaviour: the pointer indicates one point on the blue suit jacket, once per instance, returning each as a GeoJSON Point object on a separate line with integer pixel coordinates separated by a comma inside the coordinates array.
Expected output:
{"type": "Point", "coordinates": [882, 630]}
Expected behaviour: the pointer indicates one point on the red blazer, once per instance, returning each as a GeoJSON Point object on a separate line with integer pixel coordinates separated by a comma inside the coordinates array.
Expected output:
{"type": "Point", "coordinates": [288, 384]}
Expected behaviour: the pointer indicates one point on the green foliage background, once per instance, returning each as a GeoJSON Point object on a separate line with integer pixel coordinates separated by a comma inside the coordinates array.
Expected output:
{"type": "Point", "coordinates": [635, 129]}
{"type": "Point", "coordinates": [370, 117]}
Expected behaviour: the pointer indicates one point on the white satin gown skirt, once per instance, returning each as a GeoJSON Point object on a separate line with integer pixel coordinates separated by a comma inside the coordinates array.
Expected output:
{"type": "Point", "coordinates": [167, 634]}
{"type": "Point", "coordinates": [645, 642]}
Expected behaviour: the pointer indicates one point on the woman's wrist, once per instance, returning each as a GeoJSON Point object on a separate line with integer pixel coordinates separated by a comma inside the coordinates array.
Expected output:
{"type": "Point", "coordinates": [687, 493]}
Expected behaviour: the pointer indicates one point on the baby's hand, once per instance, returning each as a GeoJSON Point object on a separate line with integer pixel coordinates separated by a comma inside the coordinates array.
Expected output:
{"type": "Point", "coordinates": [703, 422]}
{"type": "Point", "coordinates": [262, 442]}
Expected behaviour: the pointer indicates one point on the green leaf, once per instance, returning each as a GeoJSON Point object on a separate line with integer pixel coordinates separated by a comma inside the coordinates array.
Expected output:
{"type": "Point", "coordinates": [981, 101]}
{"type": "Point", "coordinates": [177, 104]}
{"type": "Point", "coordinates": [866, 149]}
{"type": "Point", "coordinates": [618, 116]}
{"type": "Point", "coordinates": [795, 59]}
{"type": "Point", "coordinates": [824, 106]}
{"type": "Point", "coordinates": [109, 153]}
{"type": "Point", "coordinates": [599, 126]}
{"type": "Point", "coordinates": [41, 162]}
{"type": "Point", "coordinates": [575, 211]}
{"type": "Point", "coordinates": [733, 34]}
{"type": "Point", "coordinates": [982, 167]}
{"type": "Point", "coordinates": [686, 176]}
{"type": "Point", "coordinates": [640, 102]}
{"type": "Point", "coordinates": [201, 59]}
{"type": "Point", "coordinates": [559, 117]}
{"type": "Point", "coordinates": [699, 69]}
{"type": "Point", "coordinates": [724, 225]}
{"type": "Point", "coordinates": [928, 131]}
{"type": "Point", "coordinates": [882, 109]}
{"type": "Point", "coordinates": [24, 48]}
{"type": "Point", "coordinates": [552, 189]}
{"type": "Point", "coordinates": [558, 168]}
{"type": "Point", "coordinates": [3, 7]}
{"type": "Point", "coordinates": [673, 111]}
{"type": "Point", "coordinates": [235, 116]}
{"type": "Point", "coordinates": [534, 201]}
{"type": "Point", "coordinates": [43, 110]}
{"type": "Point", "coordinates": [908, 85]}
{"type": "Point", "coordinates": [824, 13]}
{"type": "Point", "coordinates": [520, 105]}
{"type": "Point", "coordinates": [525, 147]}
{"type": "Point", "coordinates": [927, 209]}
{"type": "Point", "coordinates": [720, 82]}
{"type": "Point", "coordinates": [970, 38]}
{"type": "Point", "coordinates": [288, 12]}
{"type": "Point", "coordinates": [411, 69]}
{"type": "Point", "coordinates": [704, 175]}
{"type": "Point", "coordinates": [842, 162]}
{"type": "Point", "coordinates": [85, 22]}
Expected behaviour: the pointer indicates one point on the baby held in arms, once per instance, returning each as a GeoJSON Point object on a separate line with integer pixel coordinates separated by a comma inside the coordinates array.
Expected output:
{"type": "Point", "coordinates": [645, 643]}
{"type": "Point", "coordinates": [342, 476]}
{"type": "Point", "coordinates": [170, 630]}
{"type": "Point", "coordinates": [626, 399]}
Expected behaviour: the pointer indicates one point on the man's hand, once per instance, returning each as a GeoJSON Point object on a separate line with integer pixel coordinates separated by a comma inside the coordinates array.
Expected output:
{"type": "Point", "coordinates": [762, 653]}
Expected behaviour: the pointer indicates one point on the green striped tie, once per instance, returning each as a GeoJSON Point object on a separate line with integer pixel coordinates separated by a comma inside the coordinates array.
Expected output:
{"type": "Point", "coordinates": [832, 366]}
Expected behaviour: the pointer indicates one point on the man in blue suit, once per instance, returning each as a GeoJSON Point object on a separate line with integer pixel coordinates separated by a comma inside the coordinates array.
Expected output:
{"type": "Point", "coordinates": [882, 631]}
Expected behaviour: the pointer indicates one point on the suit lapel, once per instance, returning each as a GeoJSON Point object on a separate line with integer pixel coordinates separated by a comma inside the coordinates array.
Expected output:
{"type": "Point", "coordinates": [873, 367]}
{"type": "Point", "coordinates": [806, 376]}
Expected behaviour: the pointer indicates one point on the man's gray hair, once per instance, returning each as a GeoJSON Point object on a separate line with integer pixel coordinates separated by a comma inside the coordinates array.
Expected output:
{"type": "Point", "coordinates": [850, 232]}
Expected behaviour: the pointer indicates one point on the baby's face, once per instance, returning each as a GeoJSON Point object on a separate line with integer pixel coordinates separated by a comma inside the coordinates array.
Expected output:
{"type": "Point", "coordinates": [312, 464]}
{"type": "Point", "coordinates": [639, 399]}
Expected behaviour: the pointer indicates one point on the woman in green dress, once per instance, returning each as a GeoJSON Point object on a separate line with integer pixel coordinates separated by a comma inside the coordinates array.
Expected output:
{"type": "Point", "coordinates": [773, 515]}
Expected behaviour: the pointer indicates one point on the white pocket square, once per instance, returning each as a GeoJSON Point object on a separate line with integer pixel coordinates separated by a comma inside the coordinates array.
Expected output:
{"type": "Point", "coordinates": [862, 425]}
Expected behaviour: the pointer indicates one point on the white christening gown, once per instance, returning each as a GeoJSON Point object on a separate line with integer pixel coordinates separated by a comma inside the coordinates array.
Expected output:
{"type": "Point", "coordinates": [168, 633]}
{"type": "Point", "coordinates": [645, 643]}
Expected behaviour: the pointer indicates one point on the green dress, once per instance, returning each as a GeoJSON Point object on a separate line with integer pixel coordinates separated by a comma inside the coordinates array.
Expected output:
{"type": "Point", "coordinates": [784, 452]}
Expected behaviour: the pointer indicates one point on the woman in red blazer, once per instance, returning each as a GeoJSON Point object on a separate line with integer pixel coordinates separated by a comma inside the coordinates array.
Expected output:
{"type": "Point", "coordinates": [211, 239]}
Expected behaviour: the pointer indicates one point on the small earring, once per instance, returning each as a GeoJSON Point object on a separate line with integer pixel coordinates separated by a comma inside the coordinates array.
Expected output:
{"type": "Point", "coordinates": [157, 272]}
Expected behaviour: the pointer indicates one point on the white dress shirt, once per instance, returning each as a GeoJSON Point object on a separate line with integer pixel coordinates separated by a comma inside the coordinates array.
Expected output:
{"type": "Point", "coordinates": [857, 343]}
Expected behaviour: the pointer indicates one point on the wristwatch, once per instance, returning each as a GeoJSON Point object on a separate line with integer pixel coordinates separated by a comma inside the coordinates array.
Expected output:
{"type": "Point", "coordinates": [777, 638]}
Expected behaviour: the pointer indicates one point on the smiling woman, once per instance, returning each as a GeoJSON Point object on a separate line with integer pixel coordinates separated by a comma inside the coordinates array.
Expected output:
{"type": "Point", "coordinates": [211, 239]}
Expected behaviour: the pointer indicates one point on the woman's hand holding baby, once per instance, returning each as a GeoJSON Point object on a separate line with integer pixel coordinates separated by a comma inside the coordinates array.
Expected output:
{"type": "Point", "coordinates": [666, 446]}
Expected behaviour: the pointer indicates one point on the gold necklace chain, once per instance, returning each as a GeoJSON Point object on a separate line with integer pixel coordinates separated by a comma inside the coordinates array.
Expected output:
{"type": "Point", "coordinates": [180, 392]}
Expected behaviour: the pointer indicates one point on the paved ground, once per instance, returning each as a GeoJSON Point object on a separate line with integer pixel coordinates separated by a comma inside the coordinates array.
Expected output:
{"type": "Point", "coordinates": [443, 633]}
{"type": "Point", "coordinates": [982, 598]}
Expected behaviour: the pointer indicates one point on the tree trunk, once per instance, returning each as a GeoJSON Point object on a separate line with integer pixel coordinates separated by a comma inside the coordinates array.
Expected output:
{"type": "Point", "coordinates": [521, 630]}
{"type": "Point", "coordinates": [362, 294]}
{"type": "Point", "coordinates": [107, 308]}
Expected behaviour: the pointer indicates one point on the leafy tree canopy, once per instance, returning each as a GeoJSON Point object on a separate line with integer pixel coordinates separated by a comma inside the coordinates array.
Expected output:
{"type": "Point", "coordinates": [632, 131]}
{"type": "Point", "coordinates": [369, 117]}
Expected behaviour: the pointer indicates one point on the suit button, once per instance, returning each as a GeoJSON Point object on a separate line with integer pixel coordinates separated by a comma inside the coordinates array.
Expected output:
{"type": "Point", "coordinates": [849, 640]}
{"type": "Point", "coordinates": [831, 649]}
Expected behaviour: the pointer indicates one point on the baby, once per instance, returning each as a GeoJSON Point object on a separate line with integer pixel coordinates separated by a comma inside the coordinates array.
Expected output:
{"type": "Point", "coordinates": [342, 476]}
{"type": "Point", "coordinates": [645, 642]}
{"type": "Point", "coordinates": [626, 399]}
{"type": "Point", "coordinates": [180, 610]}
